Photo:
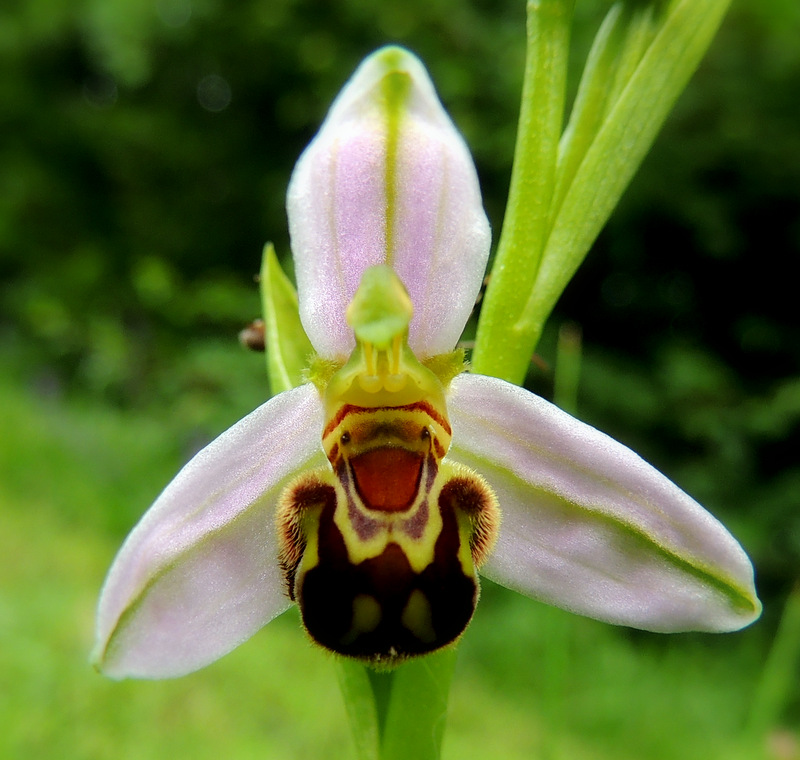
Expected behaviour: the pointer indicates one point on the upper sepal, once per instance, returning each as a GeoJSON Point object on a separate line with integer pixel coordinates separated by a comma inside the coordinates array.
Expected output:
{"type": "Point", "coordinates": [589, 526]}
{"type": "Point", "coordinates": [387, 180]}
{"type": "Point", "coordinates": [199, 574]}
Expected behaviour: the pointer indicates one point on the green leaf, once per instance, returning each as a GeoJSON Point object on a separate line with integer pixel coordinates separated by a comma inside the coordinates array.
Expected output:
{"type": "Point", "coordinates": [532, 181]}
{"type": "Point", "coordinates": [621, 143]}
{"type": "Point", "coordinates": [778, 678]}
{"type": "Point", "coordinates": [640, 62]}
{"type": "Point", "coordinates": [617, 50]}
{"type": "Point", "coordinates": [288, 349]}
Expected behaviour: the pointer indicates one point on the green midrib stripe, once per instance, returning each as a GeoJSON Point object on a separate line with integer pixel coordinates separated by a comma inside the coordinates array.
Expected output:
{"type": "Point", "coordinates": [396, 88]}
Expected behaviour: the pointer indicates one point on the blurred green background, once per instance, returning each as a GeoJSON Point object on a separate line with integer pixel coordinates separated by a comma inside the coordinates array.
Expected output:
{"type": "Point", "coordinates": [145, 149]}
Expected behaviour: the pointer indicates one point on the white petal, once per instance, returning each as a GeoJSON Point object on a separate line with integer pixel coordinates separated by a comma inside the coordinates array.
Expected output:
{"type": "Point", "coordinates": [588, 525]}
{"type": "Point", "coordinates": [388, 180]}
{"type": "Point", "coordinates": [199, 575]}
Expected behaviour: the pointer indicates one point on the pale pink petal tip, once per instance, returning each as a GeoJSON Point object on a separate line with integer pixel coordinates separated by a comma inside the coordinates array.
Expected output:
{"type": "Point", "coordinates": [199, 574]}
{"type": "Point", "coordinates": [589, 526]}
{"type": "Point", "coordinates": [388, 179]}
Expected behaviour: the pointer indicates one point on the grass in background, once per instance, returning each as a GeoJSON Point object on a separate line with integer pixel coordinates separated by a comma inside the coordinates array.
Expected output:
{"type": "Point", "coordinates": [531, 682]}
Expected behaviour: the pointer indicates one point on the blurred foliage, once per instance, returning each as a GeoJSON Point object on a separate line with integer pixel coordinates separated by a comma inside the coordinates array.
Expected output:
{"type": "Point", "coordinates": [145, 150]}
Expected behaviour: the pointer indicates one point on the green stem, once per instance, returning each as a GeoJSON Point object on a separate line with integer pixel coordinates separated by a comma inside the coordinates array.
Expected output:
{"type": "Point", "coordinates": [780, 671]}
{"type": "Point", "coordinates": [567, 374]}
{"type": "Point", "coordinates": [361, 707]}
{"type": "Point", "coordinates": [499, 348]}
{"type": "Point", "coordinates": [401, 713]}
{"type": "Point", "coordinates": [415, 720]}
{"type": "Point", "coordinates": [562, 192]}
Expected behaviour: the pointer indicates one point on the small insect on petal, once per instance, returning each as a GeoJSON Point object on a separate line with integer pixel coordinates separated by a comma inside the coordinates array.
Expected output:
{"type": "Point", "coordinates": [253, 336]}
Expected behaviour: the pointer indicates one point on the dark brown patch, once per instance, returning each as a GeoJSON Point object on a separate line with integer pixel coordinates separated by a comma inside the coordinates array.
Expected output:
{"type": "Point", "coordinates": [472, 496]}
{"type": "Point", "coordinates": [327, 592]}
{"type": "Point", "coordinates": [254, 336]}
{"type": "Point", "coordinates": [299, 497]}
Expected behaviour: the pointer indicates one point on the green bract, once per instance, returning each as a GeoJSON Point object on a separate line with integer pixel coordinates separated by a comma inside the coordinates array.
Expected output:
{"type": "Point", "coordinates": [565, 184]}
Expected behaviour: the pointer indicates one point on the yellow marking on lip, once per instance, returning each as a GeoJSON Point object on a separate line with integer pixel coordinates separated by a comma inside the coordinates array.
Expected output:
{"type": "Point", "coordinates": [421, 412]}
{"type": "Point", "coordinates": [367, 616]}
{"type": "Point", "coordinates": [417, 617]}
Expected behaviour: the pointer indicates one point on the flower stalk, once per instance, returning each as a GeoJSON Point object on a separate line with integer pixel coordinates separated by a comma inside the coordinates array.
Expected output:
{"type": "Point", "coordinates": [502, 342]}
{"type": "Point", "coordinates": [400, 713]}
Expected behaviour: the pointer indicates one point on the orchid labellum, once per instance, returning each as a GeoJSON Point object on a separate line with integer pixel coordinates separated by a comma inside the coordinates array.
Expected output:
{"type": "Point", "coordinates": [372, 494]}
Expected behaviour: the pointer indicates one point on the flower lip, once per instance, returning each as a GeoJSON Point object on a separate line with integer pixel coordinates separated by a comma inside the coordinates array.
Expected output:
{"type": "Point", "coordinates": [387, 180]}
{"type": "Point", "coordinates": [387, 477]}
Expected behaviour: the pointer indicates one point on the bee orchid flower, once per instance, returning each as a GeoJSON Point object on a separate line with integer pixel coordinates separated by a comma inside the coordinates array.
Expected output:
{"type": "Point", "coordinates": [372, 494]}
